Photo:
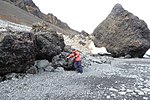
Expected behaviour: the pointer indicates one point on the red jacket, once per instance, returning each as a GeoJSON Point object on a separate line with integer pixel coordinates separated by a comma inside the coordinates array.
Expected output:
{"type": "Point", "coordinates": [76, 54]}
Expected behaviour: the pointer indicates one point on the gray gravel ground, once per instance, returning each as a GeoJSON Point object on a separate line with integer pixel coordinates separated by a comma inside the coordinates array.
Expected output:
{"type": "Point", "coordinates": [123, 79]}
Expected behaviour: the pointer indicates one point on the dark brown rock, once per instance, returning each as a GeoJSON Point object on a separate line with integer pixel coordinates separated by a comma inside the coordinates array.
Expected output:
{"type": "Point", "coordinates": [123, 34]}
{"type": "Point", "coordinates": [16, 52]}
{"type": "Point", "coordinates": [61, 61]}
{"type": "Point", "coordinates": [48, 45]}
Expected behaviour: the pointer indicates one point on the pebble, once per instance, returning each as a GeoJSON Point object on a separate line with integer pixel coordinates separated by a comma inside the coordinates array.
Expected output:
{"type": "Point", "coordinates": [122, 93]}
{"type": "Point", "coordinates": [113, 89]}
{"type": "Point", "coordinates": [129, 91]}
{"type": "Point", "coordinates": [113, 95]}
{"type": "Point", "coordinates": [108, 96]}
{"type": "Point", "coordinates": [145, 98]}
{"type": "Point", "coordinates": [139, 92]}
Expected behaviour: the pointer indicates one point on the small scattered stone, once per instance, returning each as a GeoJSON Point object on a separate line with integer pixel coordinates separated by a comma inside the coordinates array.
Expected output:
{"type": "Point", "coordinates": [122, 93]}
{"type": "Point", "coordinates": [129, 91]}
{"type": "Point", "coordinates": [145, 98]}
{"type": "Point", "coordinates": [139, 92]}
{"type": "Point", "coordinates": [108, 96]}
{"type": "Point", "coordinates": [113, 89]}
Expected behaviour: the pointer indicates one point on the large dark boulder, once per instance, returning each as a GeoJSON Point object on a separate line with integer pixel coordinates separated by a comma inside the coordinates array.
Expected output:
{"type": "Point", "coordinates": [123, 34]}
{"type": "Point", "coordinates": [48, 44]}
{"type": "Point", "coordinates": [16, 52]}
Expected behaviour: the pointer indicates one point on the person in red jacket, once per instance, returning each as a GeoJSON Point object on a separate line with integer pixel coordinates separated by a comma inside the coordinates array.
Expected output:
{"type": "Point", "coordinates": [77, 60]}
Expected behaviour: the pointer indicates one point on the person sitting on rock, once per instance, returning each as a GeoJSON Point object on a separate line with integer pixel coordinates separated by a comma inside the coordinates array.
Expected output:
{"type": "Point", "coordinates": [77, 60]}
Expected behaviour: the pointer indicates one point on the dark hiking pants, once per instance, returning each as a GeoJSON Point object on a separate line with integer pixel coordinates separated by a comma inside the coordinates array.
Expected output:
{"type": "Point", "coordinates": [78, 66]}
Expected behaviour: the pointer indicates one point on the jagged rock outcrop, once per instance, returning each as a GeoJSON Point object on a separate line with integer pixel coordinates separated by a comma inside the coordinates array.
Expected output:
{"type": "Point", "coordinates": [54, 20]}
{"type": "Point", "coordinates": [16, 52]}
{"type": "Point", "coordinates": [123, 34]}
{"type": "Point", "coordinates": [84, 33]}
{"type": "Point", "coordinates": [29, 6]}
{"type": "Point", "coordinates": [48, 45]}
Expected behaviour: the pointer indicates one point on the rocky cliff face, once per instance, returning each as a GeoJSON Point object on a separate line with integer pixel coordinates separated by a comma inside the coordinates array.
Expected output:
{"type": "Point", "coordinates": [123, 34]}
{"type": "Point", "coordinates": [29, 6]}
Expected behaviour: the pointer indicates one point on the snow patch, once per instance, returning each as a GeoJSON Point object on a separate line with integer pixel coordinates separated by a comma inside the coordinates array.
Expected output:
{"type": "Point", "coordinates": [96, 50]}
{"type": "Point", "coordinates": [6, 25]}
{"type": "Point", "coordinates": [147, 54]}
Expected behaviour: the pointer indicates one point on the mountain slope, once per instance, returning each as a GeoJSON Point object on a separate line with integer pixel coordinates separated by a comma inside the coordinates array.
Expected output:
{"type": "Point", "coordinates": [26, 12]}
{"type": "Point", "coordinates": [14, 14]}
{"type": "Point", "coordinates": [29, 6]}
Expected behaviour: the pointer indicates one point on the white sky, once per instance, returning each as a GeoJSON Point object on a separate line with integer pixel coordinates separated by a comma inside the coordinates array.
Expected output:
{"type": "Point", "coordinates": [88, 14]}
